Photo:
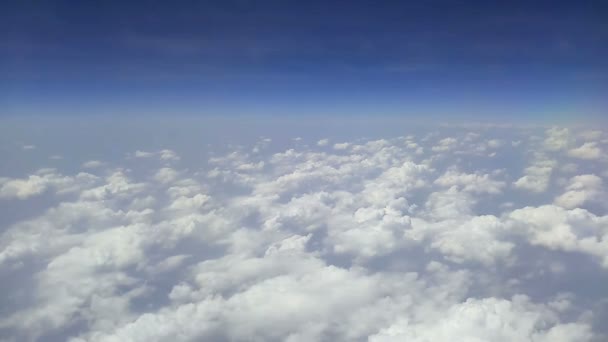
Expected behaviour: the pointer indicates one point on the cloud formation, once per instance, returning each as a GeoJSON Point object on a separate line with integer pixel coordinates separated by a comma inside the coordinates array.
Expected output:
{"type": "Point", "coordinates": [588, 150]}
{"type": "Point", "coordinates": [450, 234]}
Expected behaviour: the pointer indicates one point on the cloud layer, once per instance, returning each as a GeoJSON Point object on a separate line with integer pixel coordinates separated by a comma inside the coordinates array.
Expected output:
{"type": "Point", "coordinates": [480, 234]}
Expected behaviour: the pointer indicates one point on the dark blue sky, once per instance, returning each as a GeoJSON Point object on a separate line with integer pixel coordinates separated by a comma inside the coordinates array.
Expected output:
{"type": "Point", "coordinates": [532, 59]}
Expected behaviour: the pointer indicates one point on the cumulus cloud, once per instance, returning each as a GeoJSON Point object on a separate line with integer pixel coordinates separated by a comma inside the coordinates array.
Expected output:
{"type": "Point", "coordinates": [143, 154]}
{"type": "Point", "coordinates": [478, 183]}
{"type": "Point", "coordinates": [495, 143]}
{"type": "Point", "coordinates": [23, 188]}
{"type": "Point", "coordinates": [580, 190]}
{"type": "Point", "coordinates": [91, 164]}
{"type": "Point", "coordinates": [588, 150]}
{"type": "Point", "coordinates": [168, 155]}
{"type": "Point", "coordinates": [445, 144]}
{"type": "Point", "coordinates": [488, 319]}
{"type": "Point", "coordinates": [41, 181]}
{"type": "Point", "coordinates": [341, 146]}
{"type": "Point", "coordinates": [117, 184]}
{"type": "Point", "coordinates": [557, 138]}
{"type": "Point", "coordinates": [166, 175]}
{"type": "Point", "coordinates": [537, 176]}
{"type": "Point", "coordinates": [562, 229]}
{"type": "Point", "coordinates": [386, 239]}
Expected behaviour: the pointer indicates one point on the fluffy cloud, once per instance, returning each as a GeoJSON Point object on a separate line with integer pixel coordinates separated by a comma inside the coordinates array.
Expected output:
{"type": "Point", "coordinates": [588, 150]}
{"type": "Point", "coordinates": [91, 164]}
{"type": "Point", "coordinates": [166, 175]}
{"type": "Point", "coordinates": [580, 190]}
{"type": "Point", "coordinates": [41, 181]}
{"type": "Point", "coordinates": [536, 176]}
{"type": "Point", "coordinates": [478, 183]}
{"type": "Point", "coordinates": [445, 144]}
{"type": "Point", "coordinates": [495, 143]}
{"type": "Point", "coordinates": [167, 154]}
{"type": "Point", "coordinates": [341, 146]}
{"type": "Point", "coordinates": [117, 184]}
{"type": "Point", "coordinates": [425, 237]}
{"type": "Point", "coordinates": [561, 229]}
{"type": "Point", "coordinates": [557, 138]}
{"type": "Point", "coordinates": [489, 319]}
{"type": "Point", "coordinates": [479, 239]}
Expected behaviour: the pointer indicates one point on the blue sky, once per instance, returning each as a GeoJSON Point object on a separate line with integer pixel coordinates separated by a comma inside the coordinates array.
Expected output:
{"type": "Point", "coordinates": [516, 61]}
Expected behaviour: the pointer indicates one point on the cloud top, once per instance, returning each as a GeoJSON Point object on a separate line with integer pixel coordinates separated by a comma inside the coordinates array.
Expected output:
{"type": "Point", "coordinates": [451, 234]}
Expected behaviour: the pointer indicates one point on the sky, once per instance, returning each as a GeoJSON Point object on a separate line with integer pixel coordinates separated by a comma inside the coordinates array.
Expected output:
{"type": "Point", "coordinates": [510, 61]}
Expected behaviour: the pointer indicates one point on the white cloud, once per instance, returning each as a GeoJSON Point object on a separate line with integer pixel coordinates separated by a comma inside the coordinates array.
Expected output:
{"type": "Point", "coordinates": [72, 278]}
{"type": "Point", "coordinates": [92, 164]}
{"type": "Point", "coordinates": [478, 183]}
{"type": "Point", "coordinates": [323, 142]}
{"type": "Point", "coordinates": [445, 144]}
{"type": "Point", "coordinates": [168, 155]}
{"type": "Point", "coordinates": [22, 188]}
{"type": "Point", "coordinates": [557, 138]}
{"type": "Point", "coordinates": [41, 181]}
{"type": "Point", "coordinates": [476, 239]}
{"type": "Point", "coordinates": [341, 146]}
{"type": "Point", "coordinates": [495, 143]}
{"type": "Point", "coordinates": [165, 154]}
{"type": "Point", "coordinates": [166, 175]}
{"type": "Point", "coordinates": [251, 166]}
{"type": "Point", "coordinates": [536, 176]}
{"type": "Point", "coordinates": [585, 182]}
{"type": "Point", "coordinates": [588, 150]}
{"type": "Point", "coordinates": [143, 154]}
{"type": "Point", "coordinates": [560, 229]}
{"type": "Point", "coordinates": [189, 203]}
{"type": "Point", "coordinates": [580, 190]}
{"type": "Point", "coordinates": [117, 184]}
{"type": "Point", "coordinates": [489, 319]}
